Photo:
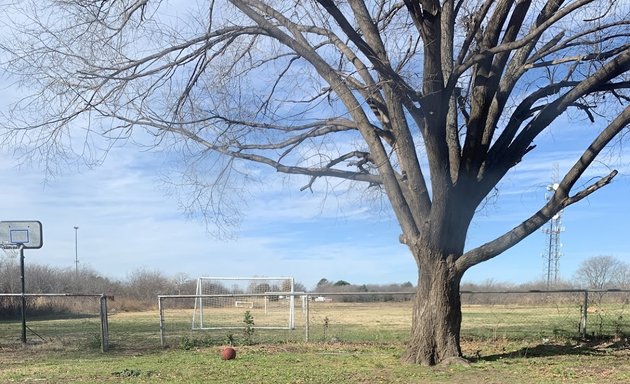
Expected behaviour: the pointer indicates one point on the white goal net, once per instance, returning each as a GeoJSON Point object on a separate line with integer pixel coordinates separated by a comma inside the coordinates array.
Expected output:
{"type": "Point", "coordinates": [221, 302]}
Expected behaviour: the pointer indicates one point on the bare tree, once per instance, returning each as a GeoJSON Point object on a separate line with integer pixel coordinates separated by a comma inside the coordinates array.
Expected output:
{"type": "Point", "coordinates": [184, 285]}
{"type": "Point", "coordinates": [144, 285]}
{"type": "Point", "coordinates": [430, 102]}
{"type": "Point", "coordinates": [603, 272]}
{"type": "Point", "coordinates": [621, 277]}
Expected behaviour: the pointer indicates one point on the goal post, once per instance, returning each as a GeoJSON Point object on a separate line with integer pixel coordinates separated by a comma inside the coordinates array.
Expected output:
{"type": "Point", "coordinates": [220, 302]}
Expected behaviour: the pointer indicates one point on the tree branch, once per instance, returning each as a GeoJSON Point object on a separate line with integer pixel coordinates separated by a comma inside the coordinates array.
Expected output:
{"type": "Point", "coordinates": [363, 157]}
{"type": "Point", "coordinates": [533, 35]}
{"type": "Point", "coordinates": [615, 67]}
{"type": "Point", "coordinates": [558, 201]}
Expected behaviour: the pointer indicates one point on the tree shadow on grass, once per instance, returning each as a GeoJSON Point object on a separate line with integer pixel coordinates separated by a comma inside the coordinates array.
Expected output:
{"type": "Point", "coordinates": [590, 347]}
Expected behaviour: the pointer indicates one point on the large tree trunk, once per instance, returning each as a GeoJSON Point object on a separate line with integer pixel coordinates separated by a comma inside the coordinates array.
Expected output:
{"type": "Point", "coordinates": [436, 314]}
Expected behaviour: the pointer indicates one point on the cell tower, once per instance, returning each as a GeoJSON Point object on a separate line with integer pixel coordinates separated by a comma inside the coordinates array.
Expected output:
{"type": "Point", "coordinates": [552, 252]}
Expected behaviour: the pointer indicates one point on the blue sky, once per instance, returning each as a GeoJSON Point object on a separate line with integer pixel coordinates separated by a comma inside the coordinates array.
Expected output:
{"type": "Point", "coordinates": [128, 220]}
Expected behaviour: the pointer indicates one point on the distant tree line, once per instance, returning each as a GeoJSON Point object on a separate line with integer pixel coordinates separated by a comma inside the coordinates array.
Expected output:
{"type": "Point", "coordinates": [325, 286]}
{"type": "Point", "coordinates": [595, 273]}
{"type": "Point", "coordinates": [137, 292]}
{"type": "Point", "coordinates": [141, 287]}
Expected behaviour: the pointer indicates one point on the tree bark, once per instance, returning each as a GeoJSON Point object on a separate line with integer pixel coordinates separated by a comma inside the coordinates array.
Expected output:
{"type": "Point", "coordinates": [437, 313]}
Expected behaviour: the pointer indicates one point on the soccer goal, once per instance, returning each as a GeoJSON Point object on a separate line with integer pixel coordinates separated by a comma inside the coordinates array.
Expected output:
{"type": "Point", "coordinates": [221, 302]}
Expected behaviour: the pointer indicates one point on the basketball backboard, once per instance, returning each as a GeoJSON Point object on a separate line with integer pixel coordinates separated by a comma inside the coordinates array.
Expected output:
{"type": "Point", "coordinates": [26, 233]}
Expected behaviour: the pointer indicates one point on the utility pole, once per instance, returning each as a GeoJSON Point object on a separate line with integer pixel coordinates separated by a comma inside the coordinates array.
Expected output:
{"type": "Point", "coordinates": [76, 252]}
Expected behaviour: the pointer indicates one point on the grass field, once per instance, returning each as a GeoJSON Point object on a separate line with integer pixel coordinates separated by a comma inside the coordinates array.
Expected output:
{"type": "Point", "coordinates": [350, 343]}
{"type": "Point", "coordinates": [499, 362]}
{"type": "Point", "coordinates": [390, 321]}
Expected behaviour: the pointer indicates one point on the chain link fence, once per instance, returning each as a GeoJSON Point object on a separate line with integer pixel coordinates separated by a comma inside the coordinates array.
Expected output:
{"type": "Point", "coordinates": [386, 317]}
{"type": "Point", "coordinates": [78, 321]}
{"type": "Point", "coordinates": [608, 313]}
{"type": "Point", "coordinates": [64, 320]}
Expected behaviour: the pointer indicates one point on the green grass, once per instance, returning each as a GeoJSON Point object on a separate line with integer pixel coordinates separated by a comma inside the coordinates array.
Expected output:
{"type": "Point", "coordinates": [359, 343]}
{"type": "Point", "coordinates": [318, 363]}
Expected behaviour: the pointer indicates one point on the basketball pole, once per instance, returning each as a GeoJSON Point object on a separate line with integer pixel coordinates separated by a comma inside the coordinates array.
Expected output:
{"type": "Point", "coordinates": [21, 247]}
{"type": "Point", "coordinates": [21, 235]}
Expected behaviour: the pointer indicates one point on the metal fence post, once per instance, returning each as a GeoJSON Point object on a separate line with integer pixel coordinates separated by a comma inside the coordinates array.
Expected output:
{"type": "Point", "coordinates": [161, 310]}
{"type": "Point", "coordinates": [104, 324]}
{"type": "Point", "coordinates": [307, 319]}
{"type": "Point", "coordinates": [584, 315]}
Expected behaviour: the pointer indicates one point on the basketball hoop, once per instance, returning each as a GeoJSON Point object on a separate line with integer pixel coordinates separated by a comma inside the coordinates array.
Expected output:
{"type": "Point", "coordinates": [27, 234]}
{"type": "Point", "coordinates": [10, 250]}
